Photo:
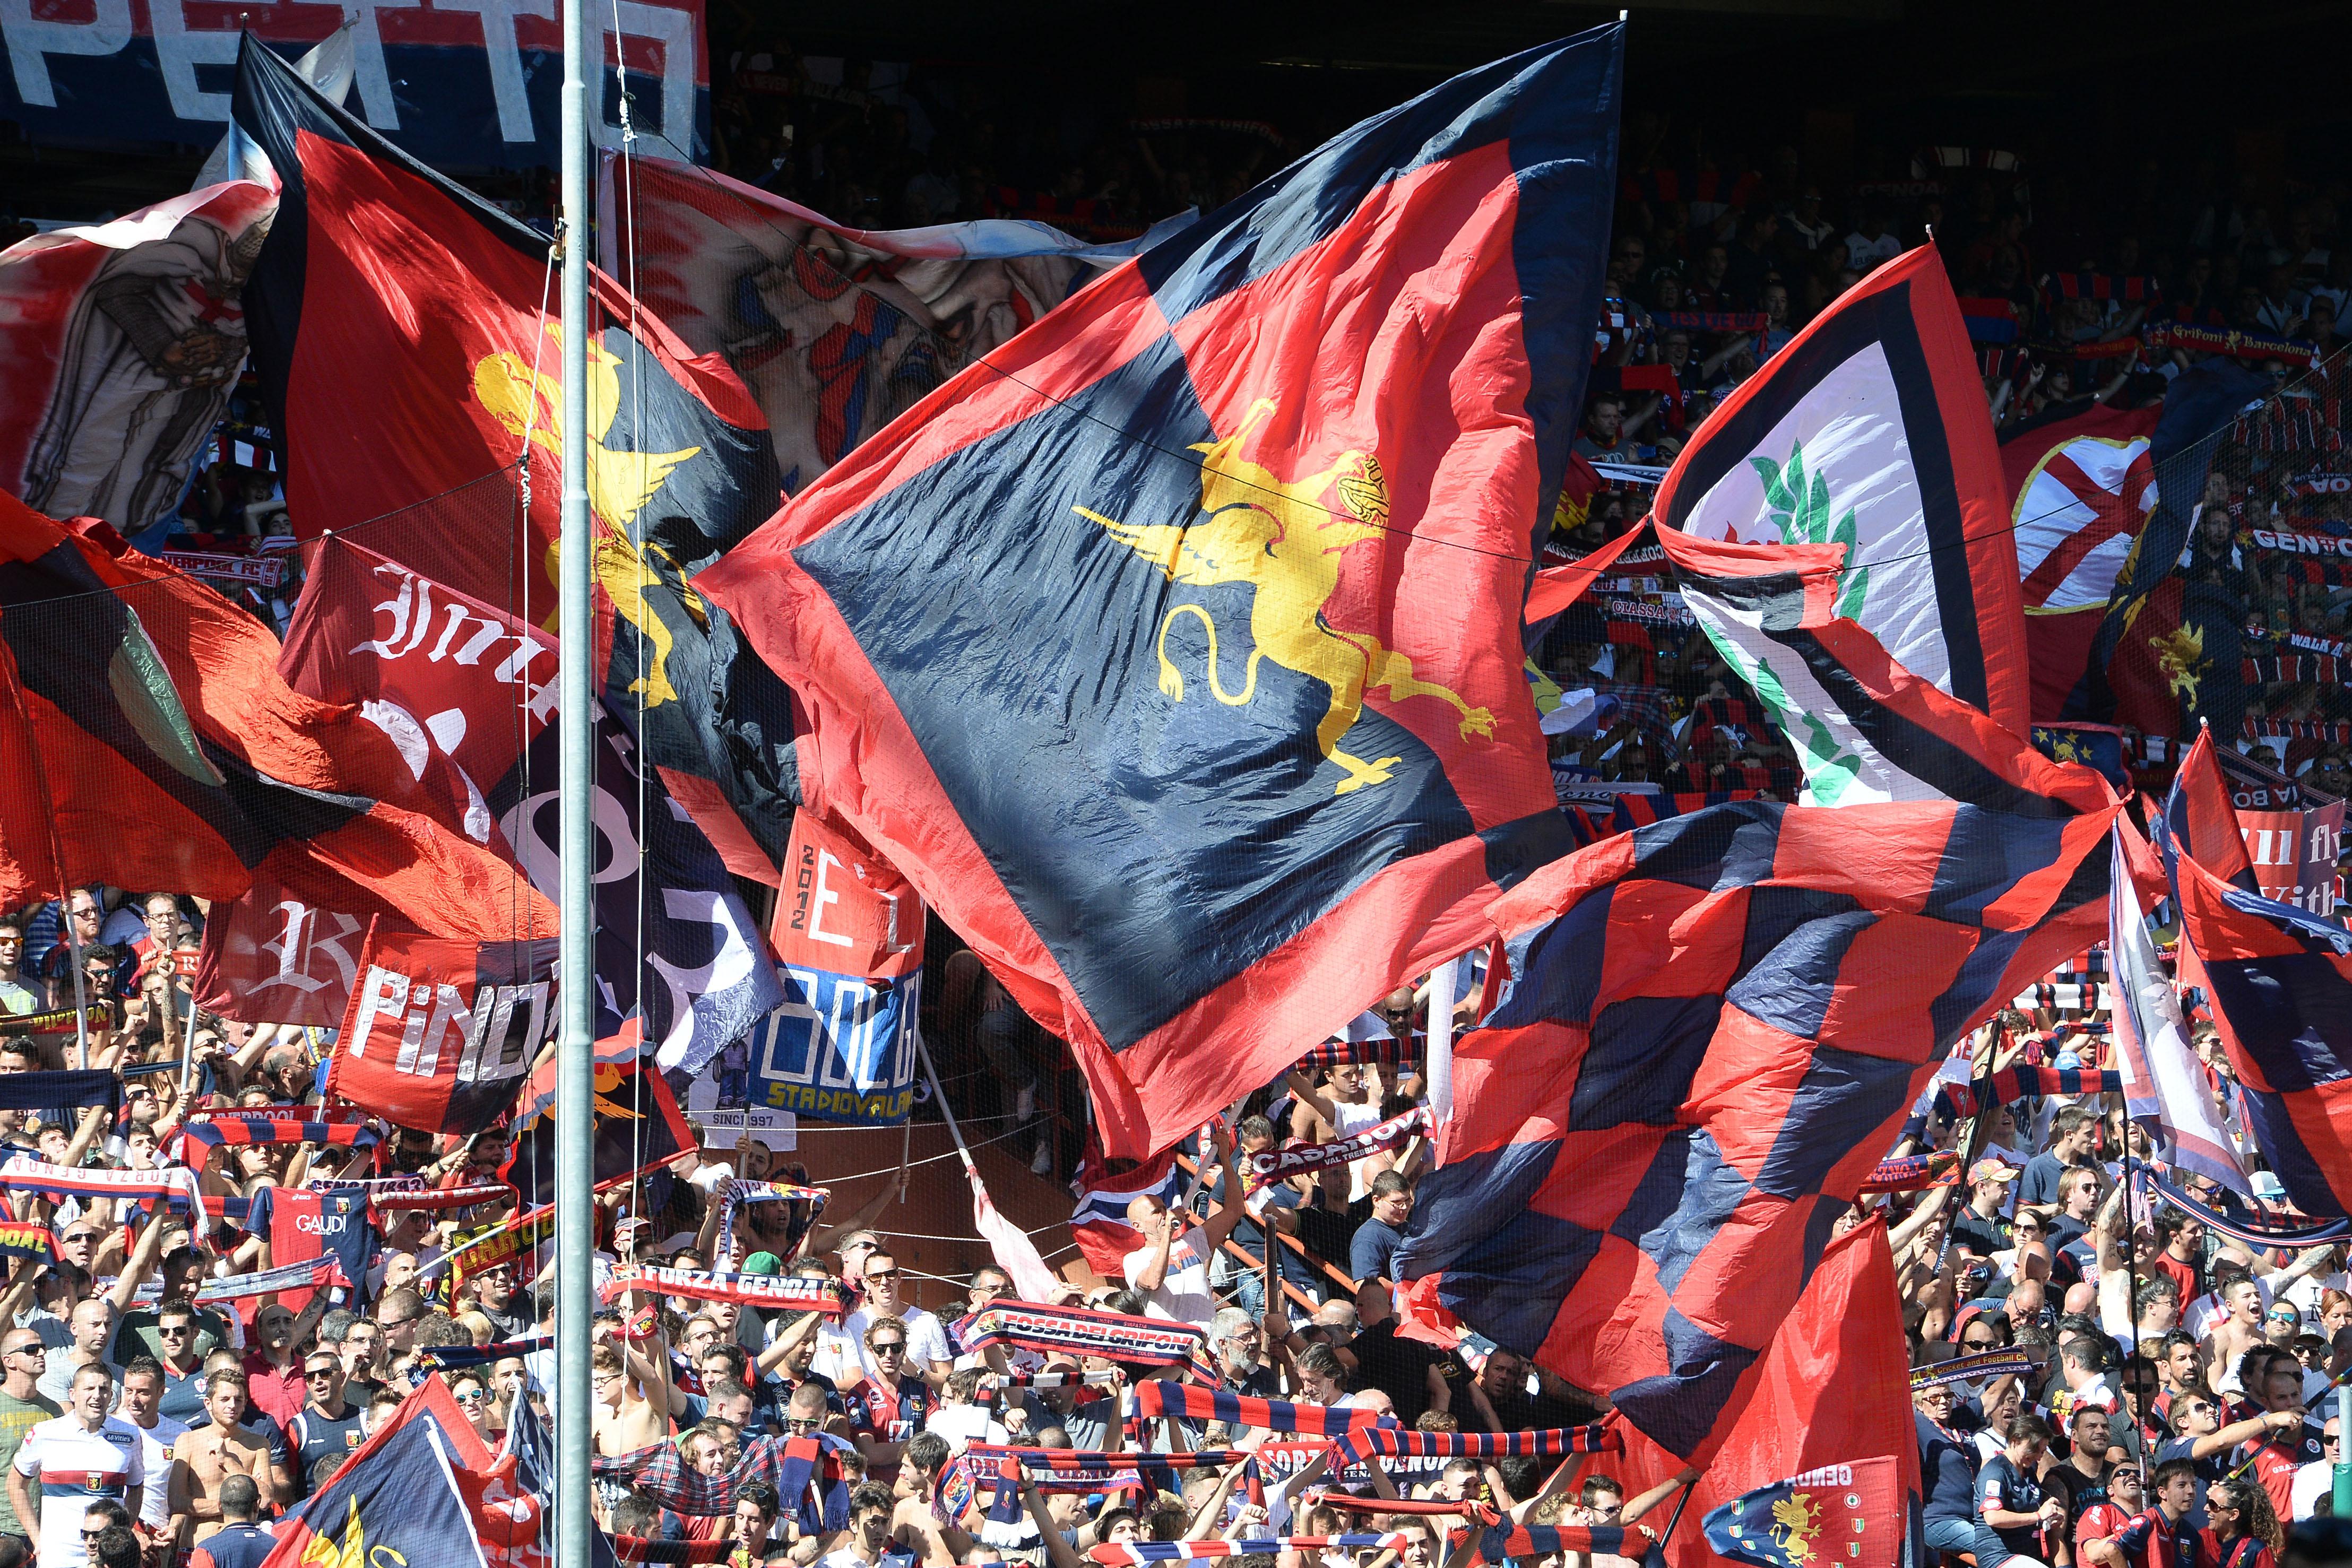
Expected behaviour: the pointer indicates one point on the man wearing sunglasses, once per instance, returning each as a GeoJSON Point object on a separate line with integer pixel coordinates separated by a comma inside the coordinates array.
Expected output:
{"type": "Point", "coordinates": [892, 1405]}
{"type": "Point", "coordinates": [328, 1424]}
{"type": "Point", "coordinates": [926, 1352]}
{"type": "Point", "coordinates": [22, 1407]}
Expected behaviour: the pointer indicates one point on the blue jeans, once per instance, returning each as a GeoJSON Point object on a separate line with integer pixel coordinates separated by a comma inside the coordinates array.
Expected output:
{"type": "Point", "coordinates": [1968, 1536]}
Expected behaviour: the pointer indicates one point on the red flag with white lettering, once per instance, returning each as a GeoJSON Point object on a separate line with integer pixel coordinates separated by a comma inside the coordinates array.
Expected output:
{"type": "Point", "coordinates": [440, 1034]}
{"type": "Point", "coordinates": [272, 958]}
{"type": "Point", "coordinates": [844, 909]}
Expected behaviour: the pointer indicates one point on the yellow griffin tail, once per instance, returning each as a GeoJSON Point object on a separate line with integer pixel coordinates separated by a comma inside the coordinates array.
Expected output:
{"type": "Point", "coordinates": [1171, 679]}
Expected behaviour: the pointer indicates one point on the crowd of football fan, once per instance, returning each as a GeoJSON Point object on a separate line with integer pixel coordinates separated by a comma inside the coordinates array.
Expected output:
{"type": "Point", "coordinates": [2176, 1382]}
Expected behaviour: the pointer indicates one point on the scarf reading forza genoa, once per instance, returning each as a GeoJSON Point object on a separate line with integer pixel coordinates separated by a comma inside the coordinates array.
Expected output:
{"type": "Point", "coordinates": [787, 1292]}
{"type": "Point", "coordinates": [1114, 1336]}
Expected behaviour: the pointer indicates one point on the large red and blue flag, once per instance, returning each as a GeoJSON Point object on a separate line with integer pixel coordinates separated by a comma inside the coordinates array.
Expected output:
{"type": "Point", "coordinates": [2281, 981]}
{"type": "Point", "coordinates": [386, 286]}
{"type": "Point", "coordinates": [1711, 1028]}
{"type": "Point", "coordinates": [1172, 648]}
{"type": "Point", "coordinates": [411, 1494]}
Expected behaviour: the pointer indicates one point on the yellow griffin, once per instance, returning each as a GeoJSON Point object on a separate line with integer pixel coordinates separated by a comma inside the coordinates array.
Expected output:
{"type": "Point", "coordinates": [619, 482]}
{"type": "Point", "coordinates": [1795, 1522]}
{"type": "Point", "coordinates": [2180, 659]}
{"type": "Point", "coordinates": [1284, 539]}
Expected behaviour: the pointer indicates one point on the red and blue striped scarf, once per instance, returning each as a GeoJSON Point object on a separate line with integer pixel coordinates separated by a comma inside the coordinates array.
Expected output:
{"type": "Point", "coordinates": [1359, 1444]}
{"type": "Point", "coordinates": [1160, 1398]}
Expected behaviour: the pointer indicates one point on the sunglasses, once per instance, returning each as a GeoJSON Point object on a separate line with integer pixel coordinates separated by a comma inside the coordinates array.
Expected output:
{"type": "Point", "coordinates": [893, 1348]}
{"type": "Point", "coordinates": [318, 1372]}
{"type": "Point", "coordinates": [473, 1396]}
{"type": "Point", "coordinates": [872, 1275]}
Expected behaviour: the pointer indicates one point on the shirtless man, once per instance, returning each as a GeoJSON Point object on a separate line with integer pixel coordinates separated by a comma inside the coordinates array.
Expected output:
{"type": "Point", "coordinates": [204, 1457]}
{"type": "Point", "coordinates": [627, 1420]}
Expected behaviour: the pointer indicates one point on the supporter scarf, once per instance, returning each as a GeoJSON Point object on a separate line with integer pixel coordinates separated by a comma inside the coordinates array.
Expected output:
{"type": "Point", "coordinates": [1114, 1336]}
{"type": "Point", "coordinates": [59, 1095]}
{"type": "Point", "coordinates": [2270, 669]}
{"type": "Point", "coordinates": [2237, 345]}
{"type": "Point", "coordinates": [215, 1128]}
{"type": "Point", "coordinates": [1273, 1164]}
{"type": "Point", "coordinates": [2024, 1081]}
{"type": "Point", "coordinates": [776, 1292]}
{"type": "Point", "coordinates": [101, 1015]}
{"type": "Point", "coordinates": [1141, 1551]}
{"type": "Point", "coordinates": [178, 1186]}
{"type": "Point", "coordinates": [450, 1357]}
{"type": "Point", "coordinates": [1914, 1172]}
{"type": "Point", "coordinates": [23, 1238]}
{"type": "Point", "coordinates": [1383, 1052]}
{"type": "Point", "coordinates": [310, 1274]}
{"type": "Point", "coordinates": [1712, 321]}
{"type": "Point", "coordinates": [1972, 1368]}
{"type": "Point", "coordinates": [1159, 1398]}
{"type": "Point", "coordinates": [1636, 609]}
{"type": "Point", "coordinates": [236, 1210]}
{"type": "Point", "coordinates": [1503, 1543]}
{"type": "Point", "coordinates": [427, 1197]}
{"type": "Point", "coordinates": [742, 1192]}
{"type": "Point", "coordinates": [2314, 1233]}
{"type": "Point", "coordinates": [1427, 1506]}
{"type": "Point", "coordinates": [496, 1245]}
{"type": "Point", "coordinates": [644, 1549]}
{"type": "Point", "coordinates": [1362, 1442]}
{"type": "Point", "coordinates": [1091, 1470]}
{"type": "Point", "coordinates": [2320, 482]}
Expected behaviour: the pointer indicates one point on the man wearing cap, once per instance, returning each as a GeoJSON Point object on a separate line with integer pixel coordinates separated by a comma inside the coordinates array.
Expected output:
{"type": "Point", "coordinates": [1981, 1227]}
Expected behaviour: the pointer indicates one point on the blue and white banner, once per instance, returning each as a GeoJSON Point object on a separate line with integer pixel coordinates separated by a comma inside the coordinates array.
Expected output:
{"type": "Point", "coordinates": [458, 83]}
{"type": "Point", "coordinates": [840, 1049]}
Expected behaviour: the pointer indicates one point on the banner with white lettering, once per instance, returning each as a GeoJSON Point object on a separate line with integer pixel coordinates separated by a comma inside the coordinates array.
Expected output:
{"type": "Point", "coordinates": [2294, 853]}
{"type": "Point", "coordinates": [458, 83]}
{"type": "Point", "coordinates": [849, 938]}
{"type": "Point", "coordinates": [469, 692]}
{"type": "Point", "coordinates": [441, 1033]}
{"type": "Point", "coordinates": [269, 957]}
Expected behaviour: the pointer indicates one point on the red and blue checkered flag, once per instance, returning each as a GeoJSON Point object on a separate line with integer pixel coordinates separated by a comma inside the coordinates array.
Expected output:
{"type": "Point", "coordinates": [1712, 1028]}
{"type": "Point", "coordinates": [1172, 648]}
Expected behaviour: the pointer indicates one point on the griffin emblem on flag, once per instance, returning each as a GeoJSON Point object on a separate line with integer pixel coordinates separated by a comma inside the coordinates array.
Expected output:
{"type": "Point", "coordinates": [1281, 538]}
{"type": "Point", "coordinates": [1809, 1520]}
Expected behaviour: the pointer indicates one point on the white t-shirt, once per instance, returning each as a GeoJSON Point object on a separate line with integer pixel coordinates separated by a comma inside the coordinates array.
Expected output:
{"type": "Point", "coordinates": [2312, 1483]}
{"type": "Point", "coordinates": [1183, 1293]}
{"type": "Point", "coordinates": [926, 1342]}
{"type": "Point", "coordinates": [1862, 254]}
{"type": "Point", "coordinates": [155, 1507]}
{"type": "Point", "coordinates": [77, 1466]}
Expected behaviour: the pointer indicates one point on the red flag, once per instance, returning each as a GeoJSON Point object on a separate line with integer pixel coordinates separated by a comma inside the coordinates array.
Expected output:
{"type": "Point", "coordinates": [2080, 487]}
{"type": "Point", "coordinates": [270, 958]}
{"type": "Point", "coordinates": [1834, 1389]}
{"type": "Point", "coordinates": [844, 909]}
{"type": "Point", "coordinates": [149, 741]}
{"type": "Point", "coordinates": [440, 1034]}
